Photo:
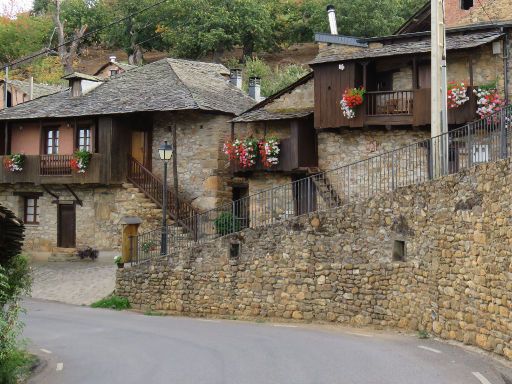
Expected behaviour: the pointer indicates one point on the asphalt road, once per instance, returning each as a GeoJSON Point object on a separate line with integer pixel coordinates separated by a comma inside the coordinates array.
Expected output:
{"type": "Point", "coordinates": [84, 345]}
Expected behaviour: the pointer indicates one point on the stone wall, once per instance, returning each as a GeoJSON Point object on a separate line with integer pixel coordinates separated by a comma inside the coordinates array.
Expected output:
{"type": "Point", "coordinates": [345, 146]}
{"type": "Point", "coordinates": [455, 280]}
{"type": "Point", "coordinates": [96, 221]}
{"type": "Point", "coordinates": [203, 172]}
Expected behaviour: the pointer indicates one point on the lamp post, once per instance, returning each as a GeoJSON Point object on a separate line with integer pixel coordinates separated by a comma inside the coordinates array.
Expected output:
{"type": "Point", "coordinates": [165, 152]}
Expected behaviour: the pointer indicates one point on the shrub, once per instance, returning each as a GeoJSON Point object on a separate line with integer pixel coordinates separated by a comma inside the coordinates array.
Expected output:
{"type": "Point", "coordinates": [112, 302]}
{"type": "Point", "coordinates": [224, 224]}
{"type": "Point", "coordinates": [88, 253]}
{"type": "Point", "coordinates": [15, 282]}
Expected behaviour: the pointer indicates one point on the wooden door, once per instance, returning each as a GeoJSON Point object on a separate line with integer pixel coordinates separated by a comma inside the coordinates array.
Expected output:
{"type": "Point", "coordinates": [139, 146]}
{"type": "Point", "coordinates": [66, 226]}
{"type": "Point", "coordinates": [424, 76]}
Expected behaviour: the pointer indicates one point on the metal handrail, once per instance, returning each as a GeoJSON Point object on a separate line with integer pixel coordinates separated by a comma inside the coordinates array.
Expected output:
{"type": "Point", "coordinates": [481, 141]}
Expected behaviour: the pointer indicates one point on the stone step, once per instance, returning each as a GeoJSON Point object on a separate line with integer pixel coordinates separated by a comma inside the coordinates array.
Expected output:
{"type": "Point", "coordinates": [63, 256]}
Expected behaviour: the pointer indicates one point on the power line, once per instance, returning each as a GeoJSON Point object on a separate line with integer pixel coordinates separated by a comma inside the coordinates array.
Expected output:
{"type": "Point", "coordinates": [487, 13]}
{"type": "Point", "coordinates": [49, 50]}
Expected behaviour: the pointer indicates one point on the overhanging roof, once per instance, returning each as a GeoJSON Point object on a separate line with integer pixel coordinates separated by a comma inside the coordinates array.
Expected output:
{"type": "Point", "coordinates": [165, 85]}
{"type": "Point", "coordinates": [453, 42]}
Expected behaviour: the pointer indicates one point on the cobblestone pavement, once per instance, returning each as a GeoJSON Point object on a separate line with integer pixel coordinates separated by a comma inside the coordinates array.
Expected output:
{"type": "Point", "coordinates": [74, 282]}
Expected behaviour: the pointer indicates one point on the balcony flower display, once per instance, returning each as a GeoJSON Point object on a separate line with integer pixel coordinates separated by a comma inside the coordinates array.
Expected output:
{"type": "Point", "coordinates": [247, 151]}
{"type": "Point", "coordinates": [457, 94]}
{"type": "Point", "coordinates": [488, 101]}
{"type": "Point", "coordinates": [352, 98]}
{"type": "Point", "coordinates": [80, 161]}
{"type": "Point", "coordinates": [14, 162]}
{"type": "Point", "coordinates": [269, 151]}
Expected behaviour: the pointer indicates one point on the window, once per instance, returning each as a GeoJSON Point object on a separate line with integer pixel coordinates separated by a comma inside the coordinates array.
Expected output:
{"type": "Point", "coordinates": [466, 4]}
{"type": "Point", "coordinates": [113, 72]}
{"type": "Point", "coordinates": [234, 250]}
{"type": "Point", "coordinates": [398, 250]}
{"type": "Point", "coordinates": [84, 139]}
{"type": "Point", "coordinates": [31, 210]}
{"type": "Point", "coordinates": [480, 153]}
{"type": "Point", "coordinates": [52, 141]}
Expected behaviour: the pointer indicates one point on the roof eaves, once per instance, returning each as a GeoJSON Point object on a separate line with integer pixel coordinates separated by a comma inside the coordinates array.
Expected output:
{"type": "Point", "coordinates": [169, 63]}
{"type": "Point", "coordinates": [278, 94]}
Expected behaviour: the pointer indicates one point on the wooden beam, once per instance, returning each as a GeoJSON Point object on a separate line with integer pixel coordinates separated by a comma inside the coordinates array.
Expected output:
{"type": "Point", "coordinates": [80, 202]}
{"type": "Point", "coordinates": [470, 70]}
{"type": "Point", "coordinates": [28, 194]}
{"type": "Point", "coordinates": [50, 193]}
{"type": "Point", "coordinates": [414, 73]}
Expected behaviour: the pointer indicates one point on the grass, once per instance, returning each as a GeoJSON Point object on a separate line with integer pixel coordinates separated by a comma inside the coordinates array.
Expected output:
{"type": "Point", "coordinates": [153, 313]}
{"type": "Point", "coordinates": [112, 302]}
{"type": "Point", "coordinates": [17, 366]}
{"type": "Point", "coordinates": [423, 334]}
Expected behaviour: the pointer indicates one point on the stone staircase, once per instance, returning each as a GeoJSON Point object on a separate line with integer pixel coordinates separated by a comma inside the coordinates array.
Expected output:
{"type": "Point", "coordinates": [63, 254]}
{"type": "Point", "coordinates": [325, 188]}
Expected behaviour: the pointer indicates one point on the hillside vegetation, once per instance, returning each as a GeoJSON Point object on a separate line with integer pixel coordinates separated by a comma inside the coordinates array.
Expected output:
{"type": "Point", "coordinates": [194, 29]}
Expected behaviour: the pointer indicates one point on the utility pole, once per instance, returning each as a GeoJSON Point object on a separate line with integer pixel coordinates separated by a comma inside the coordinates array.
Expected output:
{"type": "Point", "coordinates": [439, 107]}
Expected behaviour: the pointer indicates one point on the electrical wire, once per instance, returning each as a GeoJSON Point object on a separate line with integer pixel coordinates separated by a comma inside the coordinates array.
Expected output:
{"type": "Point", "coordinates": [49, 50]}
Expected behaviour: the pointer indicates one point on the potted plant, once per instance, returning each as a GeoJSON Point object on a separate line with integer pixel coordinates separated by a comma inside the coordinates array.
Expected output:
{"type": "Point", "coordinates": [352, 98]}
{"type": "Point", "coordinates": [118, 260]}
{"type": "Point", "coordinates": [457, 94]}
{"type": "Point", "coordinates": [14, 162]}
{"type": "Point", "coordinates": [80, 161]}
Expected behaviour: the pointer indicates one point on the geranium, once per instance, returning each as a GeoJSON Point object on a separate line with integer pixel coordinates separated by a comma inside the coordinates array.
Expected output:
{"type": "Point", "coordinates": [457, 94]}
{"type": "Point", "coordinates": [488, 101]}
{"type": "Point", "coordinates": [14, 162]}
{"type": "Point", "coordinates": [269, 151]}
{"type": "Point", "coordinates": [248, 152]}
{"type": "Point", "coordinates": [352, 97]}
{"type": "Point", "coordinates": [80, 161]}
{"type": "Point", "coordinates": [232, 149]}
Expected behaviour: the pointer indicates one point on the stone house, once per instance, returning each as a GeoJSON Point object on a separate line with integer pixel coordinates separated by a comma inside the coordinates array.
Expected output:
{"type": "Point", "coordinates": [121, 121]}
{"type": "Point", "coordinates": [395, 71]}
{"type": "Point", "coordinates": [113, 68]}
{"type": "Point", "coordinates": [20, 91]}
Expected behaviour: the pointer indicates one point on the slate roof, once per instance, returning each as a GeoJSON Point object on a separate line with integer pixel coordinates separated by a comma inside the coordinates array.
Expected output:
{"type": "Point", "coordinates": [257, 113]}
{"type": "Point", "coordinates": [453, 42]}
{"type": "Point", "coordinates": [39, 90]}
{"type": "Point", "coordinates": [265, 115]}
{"type": "Point", "coordinates": [123, 66]}
{"type": "Point", "coordinates": [165, 85]}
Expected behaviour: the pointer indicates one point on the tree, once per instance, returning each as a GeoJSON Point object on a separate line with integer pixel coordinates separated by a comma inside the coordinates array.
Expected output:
{"type": "Point", "coordinates": [40, 7]}
{"type": "Point", "coordinates": [23, 35]}
{"type": "Point", "coordinates": [67, 54]}
{"type": "Point", "coordinates": [136, 33]}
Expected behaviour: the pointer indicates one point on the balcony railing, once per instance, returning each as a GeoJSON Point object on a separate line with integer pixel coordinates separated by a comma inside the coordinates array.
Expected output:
{"type": "Point", "coordinates": [389, 103]}
{"type": "Point", "coordinates": [54, 169]}
{"type": "Point", "coordinates": [55, 165]}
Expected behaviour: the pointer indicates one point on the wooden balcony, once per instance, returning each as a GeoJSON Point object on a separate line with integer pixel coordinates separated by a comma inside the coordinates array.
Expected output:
{"type": "Point", "coordinates": [411, 107]}
{"type": "Point", "coordinates": [54, 169]}
{"type": "Point", "coordinates": [296, 152]}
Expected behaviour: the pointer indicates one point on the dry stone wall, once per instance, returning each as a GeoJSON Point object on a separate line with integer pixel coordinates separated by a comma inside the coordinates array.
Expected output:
{"type": "Point", "coordinates": [337, 265]}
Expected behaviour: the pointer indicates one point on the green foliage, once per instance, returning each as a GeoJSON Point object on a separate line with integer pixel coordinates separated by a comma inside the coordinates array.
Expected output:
{"type": "Point", "coordinates": [272, 80]}
{"type": "Point", "coordinates": [15, 282]}
{"type": "Point", "coordinates": [112, 302]}
{"type": "Point", "coordinates": [423, 334]}
{"type": "Point", "coordinates": [224, 224]}
{"type": "Point", "coordinates": [23, 35]}
{"type": "Point", "coordinates": [15, 366]}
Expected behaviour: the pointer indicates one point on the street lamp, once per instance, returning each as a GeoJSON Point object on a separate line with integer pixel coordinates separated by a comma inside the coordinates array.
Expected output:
{"type": "Point", "coordinates": [165, 152]}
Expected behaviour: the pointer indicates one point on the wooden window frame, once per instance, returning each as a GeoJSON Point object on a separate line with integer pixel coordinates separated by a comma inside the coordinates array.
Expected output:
{"type": "Point", "coordinates": [35, 215]}
{"type": "Point", "coordinates": [88, 131]}
{"type": "Point", "coordinates": [47, 129]}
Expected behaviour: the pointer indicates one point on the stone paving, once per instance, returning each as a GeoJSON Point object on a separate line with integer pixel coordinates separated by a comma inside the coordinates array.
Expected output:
{"type": "Point", "coordinates": [80, 282]}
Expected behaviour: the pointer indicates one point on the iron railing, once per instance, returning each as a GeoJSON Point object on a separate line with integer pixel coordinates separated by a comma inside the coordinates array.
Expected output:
{"type": "Point", "coordinates": [481, 141]}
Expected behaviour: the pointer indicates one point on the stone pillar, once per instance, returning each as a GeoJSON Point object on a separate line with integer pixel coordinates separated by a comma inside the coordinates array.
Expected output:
{"type": "Point", "coordinates": [130, 228]}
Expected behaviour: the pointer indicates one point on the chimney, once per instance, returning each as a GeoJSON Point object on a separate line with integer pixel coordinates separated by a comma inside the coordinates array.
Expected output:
{"type": "Point", "coordinates": [255, 88]}
{"type": "Point", "coordinates": [112, 59]}
{"type": "Point", "coordinates": [235, 77]}
{"type": "Point", "coordinates": [76, 87]}
{"type": "Point", "coordinates": [331, 13]}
